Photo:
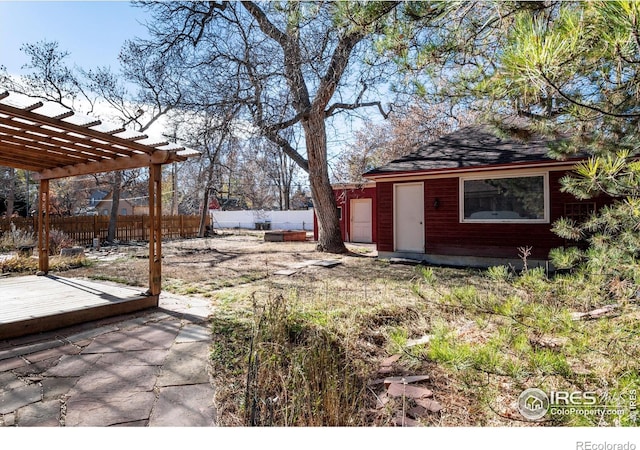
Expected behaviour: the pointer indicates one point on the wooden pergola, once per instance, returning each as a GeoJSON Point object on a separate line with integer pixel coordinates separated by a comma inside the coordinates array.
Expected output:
{"type": "Point", "coordinates": [55, 142]}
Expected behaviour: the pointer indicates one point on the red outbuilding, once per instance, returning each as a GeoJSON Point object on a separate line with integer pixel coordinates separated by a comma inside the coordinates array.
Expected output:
{"type": "Point", "coordinates": [473, 198]}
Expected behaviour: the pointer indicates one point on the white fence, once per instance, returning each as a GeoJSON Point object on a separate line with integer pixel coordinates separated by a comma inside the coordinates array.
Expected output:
{"type": "Point", "coordinates": [261, 220]}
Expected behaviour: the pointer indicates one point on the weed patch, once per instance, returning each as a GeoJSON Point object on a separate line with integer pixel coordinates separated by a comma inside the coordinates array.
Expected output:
{"type": "Point", "coordinates": [28, 265]}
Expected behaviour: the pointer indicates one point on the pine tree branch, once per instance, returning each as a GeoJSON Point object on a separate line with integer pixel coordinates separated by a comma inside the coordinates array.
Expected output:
{"type": "Point", "coordinates": [583, 105]}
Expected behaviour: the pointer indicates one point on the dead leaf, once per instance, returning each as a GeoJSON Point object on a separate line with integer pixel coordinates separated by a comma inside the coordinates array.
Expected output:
{"type": "Point", "coordinates": [388, 362]}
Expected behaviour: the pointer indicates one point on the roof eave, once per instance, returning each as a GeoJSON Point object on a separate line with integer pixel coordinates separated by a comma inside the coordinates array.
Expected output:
{"type": "Point", "coordinates": [481, 168]}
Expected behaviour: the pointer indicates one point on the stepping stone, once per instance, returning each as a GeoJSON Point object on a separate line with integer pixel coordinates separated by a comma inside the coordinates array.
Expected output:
{"type": "Point", "coordinates": [19, 397]}
{"type": "Point", "coordinates": [285, 272]}
{"type": "Point", "coordinates": [406, 390]}
{"type": "Point", "coordinates": [327, 263]}
{"type": "Point", "coordinates": [184, 406]}
{"type": "Point", "coordinates": [186, 363]}
{"type": "Point", "coordinates": [41, 414]}
{"type": "Point", "coordinates": [193, 333]}
{"type": "Point", "coordinates": [108, 409]}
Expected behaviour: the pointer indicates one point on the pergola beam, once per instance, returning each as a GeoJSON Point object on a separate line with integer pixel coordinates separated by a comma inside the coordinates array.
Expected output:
{"type": "Point", "coordinates": [54, 148]}
{"type": "Point", "coordinates": [37, 154]}
{"type": "Point", "coordinates": [61, 138]}
{"type": "Point", "coordinates": [28, 163]}
{"type": "Point", "coordinates": [155, 229]}
{"type": "Point", "coordinates": [84, 130]}
{"type": "Point", "coordinates": [43, 227]}
{"type": "Point", "coordinates": [107, 165]}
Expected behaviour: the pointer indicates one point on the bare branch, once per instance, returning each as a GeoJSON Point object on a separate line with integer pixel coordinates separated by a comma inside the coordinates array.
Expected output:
{"type": "Point", "coordinates": [334, 109]}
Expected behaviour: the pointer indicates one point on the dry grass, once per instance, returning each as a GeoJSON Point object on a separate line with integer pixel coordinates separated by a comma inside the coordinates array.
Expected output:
{"type": "Point", "coordinates": [303, 349]}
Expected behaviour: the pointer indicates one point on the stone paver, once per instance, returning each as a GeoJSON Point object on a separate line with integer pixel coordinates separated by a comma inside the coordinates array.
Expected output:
{"type": "Point", "coordinates": [9, 420]}
{"type": "Point", "coordinates": [185, 365]}
{"type": "Point", "coordinates": [8, 382]}
{"type": "Point", "coordinates": [193, 333]}
{"type": "Point", "coordinates": [13, 363]}
{"type": "Point", "coordinates": [55, 388]}
{"type": "Point", "coordinates": [24, 350]}
{"type": "Point", "coordinates": [72, 366]}
{"type": "Point", "coordinates": [115, 379]}
{"type": "Point", "coordinates": [52, 353]}
{"type": "Point", "coordinates": [107, 410]}
{"type": "Point", "coordinates": [184, 406]}
{"type": "Point", "coordinates": [88, 334]}
{"type": "Point", "coordinates": [149, 370]}
{"type": "Point", "coordinates": [41, 414]}
{"type": "Point", "coordinates": [153, 335]}
{"type": "Point", "coordinates": [135, 358]}
{"type": "Point", "coordinates": [36, 368]}
{"type": "Point", "coordinates": [19, 397]}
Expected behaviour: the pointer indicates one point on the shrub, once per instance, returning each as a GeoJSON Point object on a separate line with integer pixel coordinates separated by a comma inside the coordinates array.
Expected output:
{"type": "Point", "coordinates": [19, 264]}
{"type": "Point", "coordinates": [498, 273]}
{"type": "Point", "coordinates": [24, 264]}
{"type": "Point", "coordinates": [58, 240]}
{"type": "Point", "coordinates": [299, 373]}
{"type": "Point", "coordinates": [566, 258]}
{"type": "Point", "coordinates": [12, 240]}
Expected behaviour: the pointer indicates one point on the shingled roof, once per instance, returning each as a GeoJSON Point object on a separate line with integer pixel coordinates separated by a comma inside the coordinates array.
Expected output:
{"type": "Point", "coordinates": [469, 147]}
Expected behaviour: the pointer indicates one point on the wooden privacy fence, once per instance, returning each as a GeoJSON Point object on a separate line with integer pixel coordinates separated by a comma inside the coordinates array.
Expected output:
{"type": "Point", "coordinates": [82, 229]}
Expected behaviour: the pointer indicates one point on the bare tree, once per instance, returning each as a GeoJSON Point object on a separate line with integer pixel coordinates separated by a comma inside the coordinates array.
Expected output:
{"type": "Point", "coordinates": [278, 60]}
{"type": "Point", "coordinates": [51, 78]}
{"type": "Point", "coordinates": [8, 189]}
{"type": "Point", "coordinates": [212, 133]}
{"type": "Point", "coordinates": [408, 128]}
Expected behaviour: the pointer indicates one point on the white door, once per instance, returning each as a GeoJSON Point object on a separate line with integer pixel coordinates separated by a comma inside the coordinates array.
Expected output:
{"type": "Point", "coordinates": [361, 229]}
{"type": "Point", "coordinates": [408, 223]}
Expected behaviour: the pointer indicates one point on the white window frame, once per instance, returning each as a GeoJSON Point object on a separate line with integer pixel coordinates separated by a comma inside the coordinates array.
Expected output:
{"type": "Point", "coordinates": [490, 176]}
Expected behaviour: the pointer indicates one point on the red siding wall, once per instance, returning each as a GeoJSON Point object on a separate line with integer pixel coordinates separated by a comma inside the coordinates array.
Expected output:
{"type": "Point", "coordinates": [445, 235]}
{"type": "Point", "coordinates": [343, 199]}
{"type": "Point", "coordinates": [384, 194]}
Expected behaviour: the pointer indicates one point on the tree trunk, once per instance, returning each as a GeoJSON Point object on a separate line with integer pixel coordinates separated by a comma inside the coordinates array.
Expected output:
{"type": "Point", "coordinates": [115, 203]}
{"type": "Point", "coordinates": [174, 185]}
{"type": "Point", "coordinates": [324, 201]}
{"type": "Point", "coordinates": [287, 196]}
{"type": "Point", "coordinates": [204, 212]}
{"type": "Point", "coordinates": [11, 194]}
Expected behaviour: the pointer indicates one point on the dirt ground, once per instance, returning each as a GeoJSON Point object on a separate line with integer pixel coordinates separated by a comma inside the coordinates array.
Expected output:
{"type": "Point", "coordinates": [202, 266]}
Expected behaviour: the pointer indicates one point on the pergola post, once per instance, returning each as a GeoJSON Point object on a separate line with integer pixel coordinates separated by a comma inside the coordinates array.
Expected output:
{"type": "Point", "coordinates": [43, 227]}
{"type": "Point", "coordinates": [155, 229]}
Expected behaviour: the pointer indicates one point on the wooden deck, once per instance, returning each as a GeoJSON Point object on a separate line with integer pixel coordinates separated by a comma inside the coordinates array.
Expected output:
{"type": "Point", "coordinates": [33, 304]}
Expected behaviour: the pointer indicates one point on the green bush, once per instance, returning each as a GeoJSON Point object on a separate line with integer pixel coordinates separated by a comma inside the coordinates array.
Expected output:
{"type": "Point", "coordinates": [498, 273]}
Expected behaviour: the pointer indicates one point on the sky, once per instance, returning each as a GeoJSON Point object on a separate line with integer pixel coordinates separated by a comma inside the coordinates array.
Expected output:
{"type": "Point", "coordinates": [91, 31]}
